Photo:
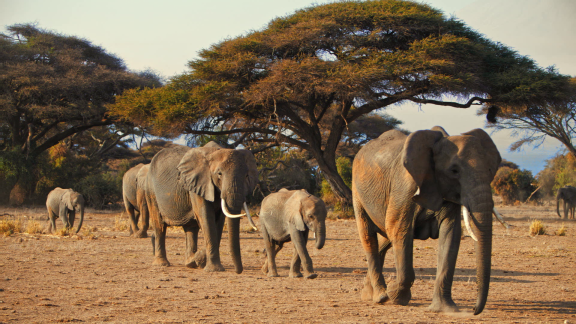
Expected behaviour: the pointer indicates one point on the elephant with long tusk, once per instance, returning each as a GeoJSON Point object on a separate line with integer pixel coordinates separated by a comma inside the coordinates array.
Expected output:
{"type": "Point", "coordinates": [200, 188]}
{"type": "Point", "coordinates": [417, 187]}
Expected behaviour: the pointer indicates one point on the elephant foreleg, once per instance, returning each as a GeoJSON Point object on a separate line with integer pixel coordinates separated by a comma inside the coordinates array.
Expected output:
{"type": "Point", "coordinates": [212, 229]}
{"type": "Point", "coordinates": [300, 239]}
{"type": "Point", "coordinates": [448, 246]}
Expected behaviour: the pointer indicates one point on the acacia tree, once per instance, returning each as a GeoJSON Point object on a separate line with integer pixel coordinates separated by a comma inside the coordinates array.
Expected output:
{"type": "Point", "coordinates": [53, 87]}
{"type": "Point", "coordinates": [538, 121]}
{"type": "Point", "coordinates": [301, 80]}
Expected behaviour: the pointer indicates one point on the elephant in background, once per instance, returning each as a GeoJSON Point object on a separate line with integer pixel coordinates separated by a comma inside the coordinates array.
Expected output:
{"type": "Point", "coordinates": [568, 196]}
{"type": "Point", "coordinates": [415, 187]}
{"type": "Point", "coordinates": [288, 215]}
{"type": "Point", "coordinates": [133, 193]}
{"type": "Point", "coordinates": [196, 188]}
{"type": "Point", "coordinates": [64, 203]}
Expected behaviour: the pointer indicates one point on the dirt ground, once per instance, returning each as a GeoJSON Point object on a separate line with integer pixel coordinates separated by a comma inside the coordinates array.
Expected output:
{"type": "Point", "coordinates": [103, 275]}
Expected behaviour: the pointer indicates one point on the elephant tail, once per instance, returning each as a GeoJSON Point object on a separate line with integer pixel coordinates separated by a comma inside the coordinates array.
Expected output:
{"type": "Point", "coordinates": [558, 206]}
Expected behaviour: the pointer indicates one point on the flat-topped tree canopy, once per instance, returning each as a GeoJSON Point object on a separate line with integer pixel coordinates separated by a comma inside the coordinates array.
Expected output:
{"type": "Point", "coordinates": [304, 77]}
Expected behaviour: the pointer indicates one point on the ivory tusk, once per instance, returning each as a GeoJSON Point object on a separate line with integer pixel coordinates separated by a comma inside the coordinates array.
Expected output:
{"type": "Point", "coordinates": [467, 223]}
{"type": "Point", "coordinates": [250, 217]}
{"type": "Point", "coordinates": [499, 217]}
{"type": "Point", "coordinates": [227, 213]}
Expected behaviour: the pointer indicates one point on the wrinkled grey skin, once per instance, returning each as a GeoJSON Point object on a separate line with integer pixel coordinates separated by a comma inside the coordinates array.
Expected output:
{"type": "Point", "coordinates": [64, 203]}
{"type": "Point", "coordinates": [288, 215]}
{"type": "Point", "coordinates": [185, 187]}
{"type": "Point", "coordinates": [568, 196]}
{"type": "Point", "coordinates": [413, 187]}
{"type": "Point", "coordinates": [133, 192]}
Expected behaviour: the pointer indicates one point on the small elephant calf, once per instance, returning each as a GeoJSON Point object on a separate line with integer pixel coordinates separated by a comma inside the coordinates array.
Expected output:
{"type": "Point", "coordinates": [288, 215]}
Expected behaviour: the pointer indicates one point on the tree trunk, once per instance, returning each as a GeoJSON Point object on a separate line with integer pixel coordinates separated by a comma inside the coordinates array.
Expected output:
{"type": "Point", "coordinates": [330, 172]}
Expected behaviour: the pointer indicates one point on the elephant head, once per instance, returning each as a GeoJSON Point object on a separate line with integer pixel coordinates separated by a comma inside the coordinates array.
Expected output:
{"type": "Point", "coordinates": [458, 169]}
{"type": "Point", "coordinates": [310, 212]}
{"type": "Point", "coordinates": [230, 174]}
{"type": "Point", "coordinates": [73, 202]}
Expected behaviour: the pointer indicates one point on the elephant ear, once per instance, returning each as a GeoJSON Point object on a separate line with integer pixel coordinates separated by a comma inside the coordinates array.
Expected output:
{"type": "Point", "coordinates": [252, 168]}
{"type": "Point", "coordinates": [418, 159]}
{"type": "Point", "coordinates": [67, 199]}
{"type": "Point", "coordinates": [195, 174]}
{"type": "Point", "coordinates": [441, 130]}
{"type": "Point", "coordinates": [296, 212]}
{"type": "Point", "coordinates": [491, 151]}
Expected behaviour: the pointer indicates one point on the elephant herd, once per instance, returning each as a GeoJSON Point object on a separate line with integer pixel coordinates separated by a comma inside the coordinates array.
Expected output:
{"type": "Point", "coordinates": [404, 187]}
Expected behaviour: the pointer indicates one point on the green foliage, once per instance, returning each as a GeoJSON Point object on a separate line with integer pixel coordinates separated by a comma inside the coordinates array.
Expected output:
{"type": "Point", "coordinates": [513, 184]}
{"type": "Point", "coordinates": [101, 189]}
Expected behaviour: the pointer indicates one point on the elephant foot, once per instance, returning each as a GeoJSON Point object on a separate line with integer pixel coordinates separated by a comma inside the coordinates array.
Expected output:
{"type": "Point", "coordinates": [272, 274]}
{"type": "Point", "coordinates": [399, 296]}
{"type": "Point", "coordinates": [443, 306]}
{"type": "Point", "coordinates": [161, 262]}
{"type": "Point", "coordinates": [191, 263]}
{"type": "Point", "coordinates": [367, 292]}
{"type": "Point", "coordinates": [214, 267]}
{"type": "Point", "coordinates": [141, 234]}
{"type": "Point", "coordinates": [312, 276]}
{"type": "Point", "coordinates": [295, 274]}
{"type": "Point", "coordinates": [200, 258]}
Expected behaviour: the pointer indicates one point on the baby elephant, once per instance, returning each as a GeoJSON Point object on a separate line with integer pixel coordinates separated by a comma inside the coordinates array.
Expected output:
{"type": "Point", "coordinates": [64, 203]}
{"type": "Point", "coordinates": [289, 215]}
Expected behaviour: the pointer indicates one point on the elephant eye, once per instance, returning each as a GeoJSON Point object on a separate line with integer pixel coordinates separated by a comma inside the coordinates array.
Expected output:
{"type": "Point", "coordinates": [454, 170]}
{"type": "Point", "coordinates": [311, 217]}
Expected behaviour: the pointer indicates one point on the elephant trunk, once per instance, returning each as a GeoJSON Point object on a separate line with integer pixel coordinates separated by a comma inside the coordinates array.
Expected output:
{"type": "Point", "coordinates": [481, 218]}
{"type": "Point", "coordinates": [81, 218]}
{"type": "Point", "coordinates": [234, 239]}
{"type": "Point", "coordinates": [558, 206]}
{"type": "Point", "coordinates": [320, 232]}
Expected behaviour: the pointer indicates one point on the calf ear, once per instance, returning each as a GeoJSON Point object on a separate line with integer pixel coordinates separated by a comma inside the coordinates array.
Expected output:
{"type": "Point", "coordinates": [195, 174]}
{"type": "Point", "coordinates": [418, 159]}
{"type": "Point", "coordinates": [67, 199]}
{"type": "Point", "coordinates": [297, 217]}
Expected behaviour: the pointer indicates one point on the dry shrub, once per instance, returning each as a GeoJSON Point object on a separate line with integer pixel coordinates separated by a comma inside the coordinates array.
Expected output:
{"type": "Point", "coordinates": [561, 231]}
{"type": "Point", "coordinates": [9, 227]}
{"type": "Point", "coordinates": [537, 227]}
{"type": "Point", "coordinates": [120, 223]}
{"type": "Point", "coordinates": [88, 232]}
{"type": "Point", "coordinates": [33, 227]}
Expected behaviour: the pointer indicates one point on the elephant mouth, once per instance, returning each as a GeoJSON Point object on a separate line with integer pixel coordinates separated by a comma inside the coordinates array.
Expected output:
{"type": "Point", "coordinates": [230, 215]}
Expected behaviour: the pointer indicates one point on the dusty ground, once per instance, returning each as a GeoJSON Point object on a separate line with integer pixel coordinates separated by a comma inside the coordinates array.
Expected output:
{"type": "Point", "coordinates": [110, 278]}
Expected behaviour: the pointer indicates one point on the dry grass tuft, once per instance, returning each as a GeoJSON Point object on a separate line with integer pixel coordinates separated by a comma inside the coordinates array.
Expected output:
{"type": "Point", "coordinates": [9, 227]}
{"type": "Point", "coordinates": [88, 232]}
{"type": "Point", "coordinates": [537, 227]}
{"type": "Point", "coordinates": [64, 231]}
{"type": "Point", "coordinates": [120, 223]}
{"type": "Point", "coordinates": [33, 227]}
{"type": "Point", "coordinates": [561, 231]}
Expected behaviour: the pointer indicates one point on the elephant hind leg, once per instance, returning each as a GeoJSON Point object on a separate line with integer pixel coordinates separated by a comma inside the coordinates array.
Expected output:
{"type": "Point", "coordinates": [269, 266]}
{"type": "Point", "coordinates": [51, 220]}
{"type": "Point", "coordinates": [159, 236]}
{"type": "Point", "coordinates": [374, 285]}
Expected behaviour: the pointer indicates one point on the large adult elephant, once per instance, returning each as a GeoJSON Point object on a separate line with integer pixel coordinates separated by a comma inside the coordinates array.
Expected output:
{"type": "Point", "coordinates": [63, 204]}
{"type": "Point", "coordinates": [414, 187]}
{"type": "Point", "coordinates": [197, 187]}
{"type": "Point", "coordinates": [133, 193]}
{"type": "Point", "coordinates": [568, 196]}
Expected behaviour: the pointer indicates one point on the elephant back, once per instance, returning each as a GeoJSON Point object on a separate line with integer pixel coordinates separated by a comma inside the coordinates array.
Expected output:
{"type": "Point", "coordinates": [129, 182]}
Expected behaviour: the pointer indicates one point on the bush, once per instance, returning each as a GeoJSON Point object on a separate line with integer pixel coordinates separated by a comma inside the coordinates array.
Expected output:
{"type": "Point", "coordinates": [561, 231]}
{"type": "Point", "coordinates": [513, 184]}
{"type": "Point", "coordinates": [537, 228]}
{"type": "Point", "coordinates": [100, 189]}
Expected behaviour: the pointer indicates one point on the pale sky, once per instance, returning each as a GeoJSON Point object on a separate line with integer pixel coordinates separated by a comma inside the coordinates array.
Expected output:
{"type": "Point", "coordinates": [165, 35]}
